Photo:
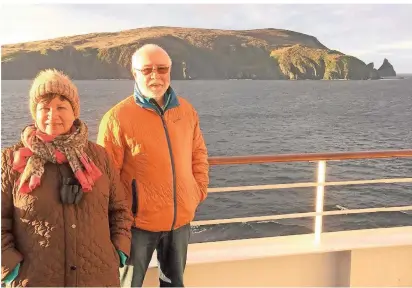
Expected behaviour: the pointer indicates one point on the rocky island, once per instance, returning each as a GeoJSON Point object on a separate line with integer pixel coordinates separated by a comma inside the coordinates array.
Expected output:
{"type": "Point", "coordinates": [196, 53]}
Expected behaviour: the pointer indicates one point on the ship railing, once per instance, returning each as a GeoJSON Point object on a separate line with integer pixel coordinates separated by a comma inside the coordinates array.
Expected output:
{"type": "Point", "coordinates": [320, 159]}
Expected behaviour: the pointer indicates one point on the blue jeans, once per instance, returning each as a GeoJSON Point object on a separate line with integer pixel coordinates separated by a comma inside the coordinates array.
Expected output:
{"type": "Point", "coordinates": [171, 247]}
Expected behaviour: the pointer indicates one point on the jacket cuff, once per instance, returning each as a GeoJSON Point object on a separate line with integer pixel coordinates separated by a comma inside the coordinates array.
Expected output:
{"type": "Point", "coordinates": [122, 243]}
{"type": "Point", "coordinates": [122, 257]}
{"type": "Point", "coordinates": [203, 192]}
{"type": "Point", "coordinates": [9, 260]}
{"type": "Point", "coordinates": [12, 275]}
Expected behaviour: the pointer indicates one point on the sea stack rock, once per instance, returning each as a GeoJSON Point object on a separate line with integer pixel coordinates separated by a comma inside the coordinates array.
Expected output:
{"type": "Point", "coordinates": [373, 73]}
{"type": "Point", "coordinates": [386, 70]}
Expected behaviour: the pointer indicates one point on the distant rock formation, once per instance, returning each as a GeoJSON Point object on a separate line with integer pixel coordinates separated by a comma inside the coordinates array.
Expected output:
{"type": "Point", "coordinates": [386, 70]}
{"type": "Point", "coordinates": [373, 73]}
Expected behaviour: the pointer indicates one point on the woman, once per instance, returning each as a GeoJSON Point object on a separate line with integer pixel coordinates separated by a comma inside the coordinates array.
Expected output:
{"type": "Point", "coordinates": [65, 217]}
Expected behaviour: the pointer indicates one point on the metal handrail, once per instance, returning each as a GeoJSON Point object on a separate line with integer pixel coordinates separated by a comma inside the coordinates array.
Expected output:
{"type": "Point", "coordinates": [320, 184]}
{"type": "Point", "coordinates": [307, 185]}
{"type": "Point", "coordinates": [307, 157]}
{"type": "Point", "coordinates": [301, 215]}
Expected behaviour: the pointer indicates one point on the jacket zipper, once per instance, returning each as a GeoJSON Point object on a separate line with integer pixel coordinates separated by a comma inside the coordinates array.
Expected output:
{"type": "Point", "coordinates": [169, 144]}
{"type": "Point", "coordinates": [135, 203]}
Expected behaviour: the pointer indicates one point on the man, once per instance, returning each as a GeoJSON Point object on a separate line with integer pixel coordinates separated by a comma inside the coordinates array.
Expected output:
{"type": "Point", "coordinates": [155, 140]}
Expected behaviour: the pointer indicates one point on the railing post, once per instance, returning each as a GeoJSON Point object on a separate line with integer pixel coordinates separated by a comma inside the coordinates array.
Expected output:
{"type": "Point", "coordinates": [320, 189]}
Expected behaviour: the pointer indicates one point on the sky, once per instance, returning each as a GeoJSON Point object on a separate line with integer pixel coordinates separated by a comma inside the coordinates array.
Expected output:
{"type": "Point", "coordinates": [370, 32]}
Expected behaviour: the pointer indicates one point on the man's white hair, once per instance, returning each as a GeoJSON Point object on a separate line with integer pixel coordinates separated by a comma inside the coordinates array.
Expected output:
{"type": "Point", "coordinates": [146, 47]}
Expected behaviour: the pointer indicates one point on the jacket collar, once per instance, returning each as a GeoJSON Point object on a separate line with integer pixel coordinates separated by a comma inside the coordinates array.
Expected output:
{"type": "Point", "coordinates": [171, 100]}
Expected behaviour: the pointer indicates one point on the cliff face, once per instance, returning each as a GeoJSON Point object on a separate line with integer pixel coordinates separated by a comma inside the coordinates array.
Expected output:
{"type": "Point", "coordinates": [196, 54]}
{"type": "Point", "coordinates": [299, 62]}
{"type": "Point", "coordinates": [80, 64]}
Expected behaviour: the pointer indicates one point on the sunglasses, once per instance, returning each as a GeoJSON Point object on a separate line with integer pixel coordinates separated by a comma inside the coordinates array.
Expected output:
{"type": "Point", "coordinates": [149, 70]}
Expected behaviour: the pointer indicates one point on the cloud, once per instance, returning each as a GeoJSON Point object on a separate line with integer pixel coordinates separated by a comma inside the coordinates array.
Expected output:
{"type": "Point", "coordinates": [402, 45]}
{"type": "Point", "coordinates": [386, 53]}
{"type": "Point", "coordinates": [360, 53]}
{"type": "Point", "coordinates": [39, 22]}
{"type": "Point", "coordinates": [391, 49]}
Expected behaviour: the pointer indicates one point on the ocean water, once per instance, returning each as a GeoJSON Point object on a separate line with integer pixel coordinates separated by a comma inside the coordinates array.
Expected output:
{"type": "Point", "coordinates": [273, 117]}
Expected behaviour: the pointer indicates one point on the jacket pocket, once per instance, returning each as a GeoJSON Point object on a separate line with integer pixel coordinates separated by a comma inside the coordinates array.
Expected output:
{"type": "Point", "coordinates": [135, 199]}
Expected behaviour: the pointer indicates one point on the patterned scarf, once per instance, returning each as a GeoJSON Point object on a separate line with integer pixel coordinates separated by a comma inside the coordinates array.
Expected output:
{"type": "Point", "coordinates": [40, 148]}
